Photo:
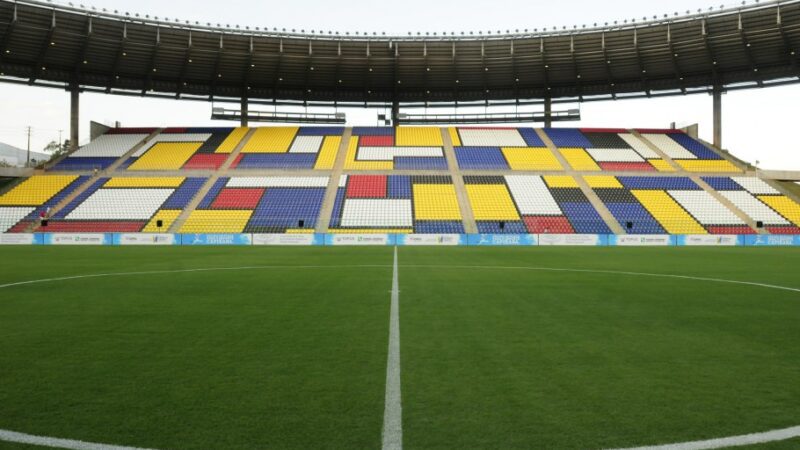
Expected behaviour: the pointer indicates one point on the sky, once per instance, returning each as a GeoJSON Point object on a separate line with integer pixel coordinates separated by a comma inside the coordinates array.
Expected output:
{"type": "Point", "coordinates": [755, 122]}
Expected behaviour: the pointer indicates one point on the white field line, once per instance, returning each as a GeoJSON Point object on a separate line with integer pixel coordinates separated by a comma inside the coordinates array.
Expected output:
{"type": "Point", "coordinates": [612, 272]}
{"type": "Point", "coordinates": [394, 432]}
{"type": "Point", "coordinates": [393, 409]}
{"type": "Point", "coordinates": [22, 438]}
{"type": "Point", "coordinates": [733, 441]}
{"type": "Point", "coordinates": [206, 269]}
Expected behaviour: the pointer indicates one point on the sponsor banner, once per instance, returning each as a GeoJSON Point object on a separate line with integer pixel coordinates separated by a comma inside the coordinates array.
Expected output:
{"type": "Point", "coordinates": [502, 239]}
{"type": "Point", "coordinates": [19, 239]}
{"type": "Point", "coordinates": [216, 239]}
{"type": "Point", "coordinates": [573, 239]}
{"type": "Point", "coordinates": [78, 238]}
{"type": "Point", "coordinates": [710, 240]}
{"type": "Point", "coordinates": [146, 239]}
{"type": "Point", "coordinates": [359, 239]}
{"type": "Point", "coordinates": [288, 239]}
{"type": "Point", "coordinates": [761, 240]}
{"type": "Point", "coordinates": [431, 239]}
{"type": "Point", "coordinates": [641, 240]}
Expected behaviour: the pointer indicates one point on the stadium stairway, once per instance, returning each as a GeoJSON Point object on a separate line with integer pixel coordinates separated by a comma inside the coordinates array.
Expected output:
{"type": "Point", "coordinates": [222, 171]}
{"type": "Point", "coordinates": [329, 200]}
{"type": "Point", "coordinates": [598, 204]}
{"type": "Point", "coordinates": [470, 226]}
{"type": "Point", "coordinates": [94, 177]}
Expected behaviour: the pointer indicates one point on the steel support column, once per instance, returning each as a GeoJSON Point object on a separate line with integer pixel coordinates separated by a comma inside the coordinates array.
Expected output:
{"type": "Point", "coordinates": [74, 116]}
{"type": "Point", "coordinates": [548, 112]}
{"type": "Point", "coordinates": [717, 95]}
{"type": "Point", "coordinates": [244, 112]}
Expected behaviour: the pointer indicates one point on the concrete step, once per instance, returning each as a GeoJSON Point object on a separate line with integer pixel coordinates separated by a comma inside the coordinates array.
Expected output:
{"type": "Point", "coordinates": [467, 216]}
{"type": "Point", "coordinates": [324, 219]}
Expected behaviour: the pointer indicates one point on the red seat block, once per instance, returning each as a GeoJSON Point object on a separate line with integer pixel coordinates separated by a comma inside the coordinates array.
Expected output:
{"type": "Point", "coordinates": [376, 141]}
{"type": "Point", "coordinates": [236, 161]}
{"type": "Point", "coordinates": [206, 161]}
{"type": "Point", "coordinates": [548, 224]}
{"type": "Point", "coordinates": [727, 229]}
{"type": "Point", "coordinates": [366, 186]}
{"type": "Point", "coordinates": [784, 230]}
{"type": "Point", "coordinates": [237, 198]}
{"type": "Point", "coordinates": [626, 166]}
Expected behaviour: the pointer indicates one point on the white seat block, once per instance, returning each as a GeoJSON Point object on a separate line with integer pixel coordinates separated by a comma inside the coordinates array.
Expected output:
{"type": "Point", "coordinates": [268, 182]}
{"type": "Point", "coordinates": [532, 195]}
{"type": "Point", "coordinates": [121, 204]}
{"type": "Point", "coordinates": [667, 145]}
{"type": "Point", "coordinates": [306, 144]}
{"type": "Point", "coordinates": [755, 185]}
{"type": "Point", "coordinates": [377, 213]}
{"type": "Point", "coordinates": [10, 215]}
{"type": "Point", "coordinates": [614, 155]}
{"type": "Point", "coordinates": [110, 145]}
{"type": "Point", "coordinates": [639, 146]}
{"type": "Point", "coordinates": [754, 207]}
{"type": "Point", "coordinates": [705, 208]}
{"type": "Point", "coordinates": [491, 138]}
{"type": "Point", "coordinates": [389, 153]}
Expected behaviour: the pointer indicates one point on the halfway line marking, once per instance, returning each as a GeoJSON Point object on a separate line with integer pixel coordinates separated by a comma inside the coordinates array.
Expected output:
{"type": "Point", "coordinates": [393, 409]}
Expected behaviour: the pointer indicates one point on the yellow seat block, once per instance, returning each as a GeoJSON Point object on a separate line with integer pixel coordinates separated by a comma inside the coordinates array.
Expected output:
{"type": "Point", "coordinates": [270, 140]}
{"type": "Point", "coordinates": [419, 137]}
{"type": "Point", "coordinates": [661, 165]}
{"type": "Point", "coordinates": [233, 139]}
{"type": "Point", "coordinates": [166, 215]}
{"type": "Point", "coordinates": [602, 181]}
{"type": "Point", "coordinates": [166, 156]}
{"type": "Point", "coordinates": [143, 182]}
{"type": "Point", "coordinates": [561, 181]}
{"type": "Point", "coordinates": [299, 231]}
{"type": "Point", "coordinates": [531, 158]}
{"type": "Point", "coordinates": [371, 231]}
{"type": "Point", "coordinates": [454, 138]}
{"type": "Point", "coordinates": [436, 202]}
{"type": "Point", "coordinates": [784, 205]}
{"type": "Point", "coordinates": [491, 202]}
{"type": "Point", "coordinates": [205, 221]}
{"type": "Point", "coordinates": [579, 159]}
{"type": "Point", "coordinates": [668, 212]}
{"type": "Point", "coordinates": [693, 165]}
{"type": "Point", "coordinates": [350, 162]}
{"type": "Point", "coordinates": [36, 190]}
{"type": "Point", "coordinates": [328, 152]}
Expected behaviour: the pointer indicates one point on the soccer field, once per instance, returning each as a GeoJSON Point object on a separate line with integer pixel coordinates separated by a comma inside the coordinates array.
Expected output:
{"type": "Point", "coordinates": [225, 347]}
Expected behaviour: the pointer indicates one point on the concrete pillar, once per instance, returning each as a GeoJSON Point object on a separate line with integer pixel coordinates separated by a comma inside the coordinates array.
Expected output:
{"type": "Point", "coordinates": [395, 113]}
{"type": "Point", "coordinates": [244, 112]}
{"type": "Point", "coordinates": [548, 112]}
{"type": "Point", "coordinates": [74, 116]}
{"type": "Point", "coordinates": [717, 94]}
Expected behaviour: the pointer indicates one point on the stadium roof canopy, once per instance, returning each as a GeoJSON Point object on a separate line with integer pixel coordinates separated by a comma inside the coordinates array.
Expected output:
{"type": "Point", "coordinates": [751, 45]}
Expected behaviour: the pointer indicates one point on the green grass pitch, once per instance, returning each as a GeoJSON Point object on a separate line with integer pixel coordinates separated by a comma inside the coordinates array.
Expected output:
{"type": "Point", "coordinates": [503, 356]}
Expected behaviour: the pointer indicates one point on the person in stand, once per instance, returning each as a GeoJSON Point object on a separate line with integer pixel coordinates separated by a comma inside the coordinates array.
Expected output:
{"type": "Point", "coordinates": [42, 216]}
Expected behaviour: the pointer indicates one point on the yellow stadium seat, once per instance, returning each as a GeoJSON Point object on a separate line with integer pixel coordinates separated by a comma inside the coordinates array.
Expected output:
{"type": "Point", "coordinates": [661, 165]}
{"type": "Point", "coordinates": [579, 159]}
{"type": "Point", "coordinates": [216, 221]}
{"type": "Point", "coordinates": [167, 216]}
{"type": "Point", "coordinates": [454, 139]}
{"type": "Point", "coordinates": [784, 205]}
{"type": "Point", "coordinates": [720, 165]}
{"type": "Point", "coordinates": [602, 181]}
{"type": "Point", "coordinates": [531, 158]}
{"type": "Point", "coordinates": [36, 190]}
{"type": "Point", "coordinates": [350, 162]}
{"type": "Point", "coordinates": [436, 202]}
{"type": "Point", "coordinates": [143, 182]}
{"type": "Point", "coordinates": [561, 181]}
{"type": "Point", "coordinates": [233, 139]}
{"type": "Point", "coordinates": [299, 231]}
{"type": "Point", "coordinates": [668, 212]}
{"type": "Point", "coordinates": [270, 140]}
{"type": "Point", "coordinates": [419, 137]}
{"type": "Point", "coordinates": [166, 156]}
{"type": "Point", "coordinates": [491, 202]}
{"type": "Point", "coordinates": [327, 155]}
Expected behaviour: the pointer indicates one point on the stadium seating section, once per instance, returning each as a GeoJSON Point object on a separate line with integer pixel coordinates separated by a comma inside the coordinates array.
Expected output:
{"type": "Point", "coordinates": [515, 180]}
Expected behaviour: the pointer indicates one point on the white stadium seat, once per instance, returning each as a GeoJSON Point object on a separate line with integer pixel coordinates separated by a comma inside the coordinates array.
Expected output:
{"type": "Point", "coordinates": [755, 186]}
{"type": "Point", "coordinates": [121, 204]}
{"type": "Point", "coordinates": [377, 213]}
{"type": "Point", "coordinates": [754, 207]}
{"type": "Point", "coordinates": [491, 138]}
{"type": "Point", "coordinates": [110, 145]}
{"type": "Point", "coordinates": [705, 208]}
{"type": "Point", "coordinates": [532, 195]}
{"type": "Point", "coordinates": [668, 145]}
{"type": "Point", "coordinates": [10, 215]}
{"type": "Point", "coordinates": [306, 144]}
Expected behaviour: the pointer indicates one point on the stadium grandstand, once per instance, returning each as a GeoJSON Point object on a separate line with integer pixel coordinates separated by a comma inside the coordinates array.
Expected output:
{"type": "Point", "coordinates": [506, 344]}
